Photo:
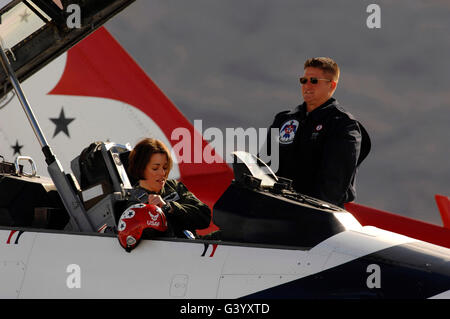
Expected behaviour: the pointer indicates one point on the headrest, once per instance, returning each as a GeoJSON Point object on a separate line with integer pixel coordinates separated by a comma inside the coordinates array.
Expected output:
{"type": "Point", "coordinates": [125, 161]}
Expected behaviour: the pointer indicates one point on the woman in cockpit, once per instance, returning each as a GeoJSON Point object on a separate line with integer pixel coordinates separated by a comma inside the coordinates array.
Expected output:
{"type": "Point", "coordinates": [150, 162]}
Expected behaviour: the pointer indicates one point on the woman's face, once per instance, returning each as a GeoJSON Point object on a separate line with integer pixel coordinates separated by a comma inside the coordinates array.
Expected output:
{"type": "Point", "coordinates": [155, 173]}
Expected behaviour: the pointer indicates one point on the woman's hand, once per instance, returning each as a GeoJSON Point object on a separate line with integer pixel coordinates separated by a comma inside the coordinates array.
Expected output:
{"type": "Point", "coordinates": [154, 199]}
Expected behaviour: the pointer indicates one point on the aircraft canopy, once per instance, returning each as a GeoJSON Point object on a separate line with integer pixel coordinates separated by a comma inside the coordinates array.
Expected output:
{"type": "Point", "coordinates": [35, 32]}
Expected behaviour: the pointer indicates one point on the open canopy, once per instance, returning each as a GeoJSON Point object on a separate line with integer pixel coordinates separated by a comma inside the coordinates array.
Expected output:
{"type": "Point", "coordinates": [35, 32]}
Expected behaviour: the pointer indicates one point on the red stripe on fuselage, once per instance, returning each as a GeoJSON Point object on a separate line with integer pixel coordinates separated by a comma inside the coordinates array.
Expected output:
{"type": "Point", "coordinates": [10, 235]}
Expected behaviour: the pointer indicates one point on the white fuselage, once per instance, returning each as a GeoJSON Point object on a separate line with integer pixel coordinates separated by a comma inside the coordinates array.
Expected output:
{"type": "Point", "coordinates": [58, 265]}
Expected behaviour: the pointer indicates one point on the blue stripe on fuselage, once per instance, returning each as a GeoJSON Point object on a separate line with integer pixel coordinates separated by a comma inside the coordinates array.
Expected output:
{"type": "Point", "coordinates": [413, 270]}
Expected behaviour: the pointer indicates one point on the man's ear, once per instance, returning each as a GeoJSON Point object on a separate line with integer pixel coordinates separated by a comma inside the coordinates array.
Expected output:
{"type": "Point", "coordinates": [333, 85]}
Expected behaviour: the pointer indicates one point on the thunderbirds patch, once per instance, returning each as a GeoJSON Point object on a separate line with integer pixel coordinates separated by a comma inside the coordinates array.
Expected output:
{"type": "Point", "coordinates": [287, 131]}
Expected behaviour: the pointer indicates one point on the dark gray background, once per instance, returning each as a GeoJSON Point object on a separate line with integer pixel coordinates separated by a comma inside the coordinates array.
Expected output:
{"type": "Point", "coordinates": [236, 63]}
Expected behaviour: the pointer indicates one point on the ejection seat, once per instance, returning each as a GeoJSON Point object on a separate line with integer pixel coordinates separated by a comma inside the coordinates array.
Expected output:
{"type": "Point", "coordinates": [103, 181]}
{"type": "Point", "coordinates": [105, 186]}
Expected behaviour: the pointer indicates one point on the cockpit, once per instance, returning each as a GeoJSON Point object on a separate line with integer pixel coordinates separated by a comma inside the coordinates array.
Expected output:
{"type": "Point", "coordinates": [261, 208]}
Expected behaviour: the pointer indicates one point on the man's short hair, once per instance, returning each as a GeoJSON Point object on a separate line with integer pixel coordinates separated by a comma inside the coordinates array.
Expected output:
{"type": "Point", "coordinates": [140, 156]}
{"type": "Point", "coordinates": [326, 64]}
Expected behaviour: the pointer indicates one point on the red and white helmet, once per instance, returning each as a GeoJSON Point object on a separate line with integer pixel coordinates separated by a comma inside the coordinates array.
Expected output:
{"type": "Point", "coordinates": [135, 219]}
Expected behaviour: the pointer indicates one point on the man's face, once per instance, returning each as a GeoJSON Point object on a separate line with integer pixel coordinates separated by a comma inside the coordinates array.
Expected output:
{"type": "Point", "coordinates": [317, 94]}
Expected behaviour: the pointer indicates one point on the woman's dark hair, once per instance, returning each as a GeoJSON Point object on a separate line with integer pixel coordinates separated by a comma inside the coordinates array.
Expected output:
{"type": "Point", "coordinates": [141, 154]}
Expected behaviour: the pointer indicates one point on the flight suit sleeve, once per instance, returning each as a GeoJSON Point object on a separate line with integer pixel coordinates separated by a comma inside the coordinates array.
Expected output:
{"type": "Point", "coordinates": [339, 162]}
{"type": "Point", "coordinates": [188, 211]}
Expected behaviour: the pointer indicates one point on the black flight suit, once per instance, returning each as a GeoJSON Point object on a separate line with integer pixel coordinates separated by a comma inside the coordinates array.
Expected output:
{"type": "Point", "coordinates": [189, 213]}
{"type": "Point", "coordinates": [320, 151]}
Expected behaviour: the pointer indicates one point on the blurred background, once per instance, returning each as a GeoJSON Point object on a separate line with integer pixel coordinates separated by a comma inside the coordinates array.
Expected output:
{"type": "Point", "coordinates": [236, 64]}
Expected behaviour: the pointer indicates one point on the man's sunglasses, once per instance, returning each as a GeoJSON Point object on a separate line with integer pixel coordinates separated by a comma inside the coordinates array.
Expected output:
{"type": "Point", "coordinates": [304, 80]}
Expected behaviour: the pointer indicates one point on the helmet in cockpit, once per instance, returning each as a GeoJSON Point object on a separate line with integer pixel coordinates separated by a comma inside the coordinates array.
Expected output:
{"type": "Point", "coordinates": [139, 218]}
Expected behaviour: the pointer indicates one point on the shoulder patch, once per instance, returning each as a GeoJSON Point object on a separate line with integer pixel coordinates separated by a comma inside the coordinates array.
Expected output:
{"type": "Point", "coordinates": [287, 131]}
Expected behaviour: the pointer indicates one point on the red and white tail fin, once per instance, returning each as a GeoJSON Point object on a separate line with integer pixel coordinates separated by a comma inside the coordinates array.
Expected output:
{"type": "Point", "coordinates": [100, 67]}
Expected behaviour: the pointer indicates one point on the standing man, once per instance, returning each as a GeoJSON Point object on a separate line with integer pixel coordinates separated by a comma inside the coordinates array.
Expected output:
{"type": "Point", "coordinates": [321, 145]}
